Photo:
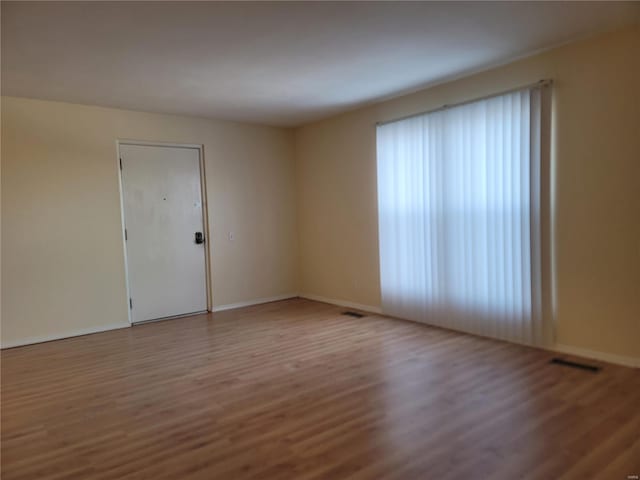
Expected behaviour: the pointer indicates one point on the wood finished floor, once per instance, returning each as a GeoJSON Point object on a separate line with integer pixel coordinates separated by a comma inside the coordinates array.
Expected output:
{"type": "Point", "coordinates": [294, 390]}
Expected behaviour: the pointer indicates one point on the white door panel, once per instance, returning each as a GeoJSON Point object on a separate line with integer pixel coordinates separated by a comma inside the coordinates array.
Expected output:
{"type": "Point", "coordinates": [162, 201]}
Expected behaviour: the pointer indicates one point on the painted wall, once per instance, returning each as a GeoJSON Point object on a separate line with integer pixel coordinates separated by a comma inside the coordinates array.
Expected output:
{"type": "Point", "coordinates": [596, 182]}
{"type": "Point", "coordinates": [62, 251]}
{"type": "Point", "coordinates": [62, 254]}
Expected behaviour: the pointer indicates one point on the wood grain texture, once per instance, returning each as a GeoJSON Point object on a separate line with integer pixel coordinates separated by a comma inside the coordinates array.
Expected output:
{"type": "Point", "coordinates": [294, 390]}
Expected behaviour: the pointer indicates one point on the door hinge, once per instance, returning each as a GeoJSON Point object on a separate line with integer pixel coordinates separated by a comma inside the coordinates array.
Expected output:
{"type": "Point", "coordinates": [130, 304]}
{"type": "Point", "coordinates": [120, 164]}
{"type": "Point", "coordinates": [125, 235]}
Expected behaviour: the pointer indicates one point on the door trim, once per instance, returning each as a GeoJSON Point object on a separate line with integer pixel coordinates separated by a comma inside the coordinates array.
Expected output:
{"type": "Point", "coordinates": [205, 214]}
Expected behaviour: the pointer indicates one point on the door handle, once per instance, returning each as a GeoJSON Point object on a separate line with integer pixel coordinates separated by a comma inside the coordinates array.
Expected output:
{"type": "Point", "coordinates": [199, 238]}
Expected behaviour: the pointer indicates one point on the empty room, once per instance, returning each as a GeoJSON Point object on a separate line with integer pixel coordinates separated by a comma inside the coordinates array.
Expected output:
{"type": "Point", "coordinates": [320, 240]}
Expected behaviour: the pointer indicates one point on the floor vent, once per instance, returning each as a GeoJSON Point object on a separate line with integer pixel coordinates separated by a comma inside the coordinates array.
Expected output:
{"type": "Point", "coordinates": [353, 314]}
{"type": "Point", "coordinates": [569, 363]}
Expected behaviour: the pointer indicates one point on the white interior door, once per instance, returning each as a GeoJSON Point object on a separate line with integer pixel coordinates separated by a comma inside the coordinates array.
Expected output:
{"type": "Point", "coordinates": [162, 202]}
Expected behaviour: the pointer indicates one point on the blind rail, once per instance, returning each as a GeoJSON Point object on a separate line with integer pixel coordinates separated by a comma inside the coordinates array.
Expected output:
{"type": "Point", "coordinates": [539, 83]}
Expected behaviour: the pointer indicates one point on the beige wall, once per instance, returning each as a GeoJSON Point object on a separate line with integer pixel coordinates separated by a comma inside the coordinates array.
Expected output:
{"type": "Point", "coordinates": [62, 251]}
{"type": "Point", "coordinates": [62, 254]}
{"type": "Point", "coordinates": [596, 181]}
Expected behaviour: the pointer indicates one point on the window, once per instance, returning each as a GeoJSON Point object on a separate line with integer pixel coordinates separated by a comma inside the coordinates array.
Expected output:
{"type": "Point", "coordinates": [459, 210]}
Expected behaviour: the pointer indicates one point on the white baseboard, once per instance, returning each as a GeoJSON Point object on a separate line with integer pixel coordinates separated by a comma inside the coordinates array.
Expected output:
{"type": "Point", "coordinates": [577, 351]}
{"type": "Point", "coordinates": [60, 336]}
{"type": "Point", "coordinates": [105, 328]}
{"type": "Point", "coordinates": [596, 355]}
{"type": "Point", "coordinates": [633, 362]}
{"type": "Point", "coordinates": [341, 303]}
{"type": "Point", "coordinates": [256, 301]}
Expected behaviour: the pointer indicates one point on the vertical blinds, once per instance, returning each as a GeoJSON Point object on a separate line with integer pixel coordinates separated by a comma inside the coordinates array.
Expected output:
{"type": "Point", "coordinates": [459, 217]}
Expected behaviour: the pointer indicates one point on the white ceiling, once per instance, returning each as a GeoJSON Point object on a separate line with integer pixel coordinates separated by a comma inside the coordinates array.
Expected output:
{"type": "Point", "coordinates": [274, 63]}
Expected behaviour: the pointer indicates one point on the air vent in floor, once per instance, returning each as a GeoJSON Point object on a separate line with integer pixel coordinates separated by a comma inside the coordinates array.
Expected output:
{"type": "Point", "coordinates": [569, 363]}
{"type": "Point", "coordinates": [353, 314]}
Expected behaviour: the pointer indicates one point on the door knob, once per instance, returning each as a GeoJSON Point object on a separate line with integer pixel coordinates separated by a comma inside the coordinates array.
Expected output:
{"type": "Point", "coordinates": [199, 238]}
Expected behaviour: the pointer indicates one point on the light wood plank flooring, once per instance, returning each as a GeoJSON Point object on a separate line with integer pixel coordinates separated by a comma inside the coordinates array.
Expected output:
{"type": "Point", "coordinates": [294, 390]}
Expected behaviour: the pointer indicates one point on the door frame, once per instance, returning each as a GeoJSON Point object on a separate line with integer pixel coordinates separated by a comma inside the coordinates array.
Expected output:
{"type": "Point", "coordinates": [205, 216]}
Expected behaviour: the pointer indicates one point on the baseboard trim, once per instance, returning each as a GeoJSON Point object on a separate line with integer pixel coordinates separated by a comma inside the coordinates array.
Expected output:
{"type": "Point", "coordinates": [61, 336]}
{"type": "Point", "coordinates": [633, 362]}
{"type": "Point", "coordinates": [341, 303]}
{"type": "Point", "coordinates": [106, 328]}
{"type": "Point", "coordinates": [596, 355]}
{"type": "Point", "coordinates": [256, 301]}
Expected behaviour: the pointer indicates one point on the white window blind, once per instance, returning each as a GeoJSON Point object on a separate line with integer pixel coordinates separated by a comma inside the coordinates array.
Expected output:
{"type": "Point", "coordinates": [460, 216]}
